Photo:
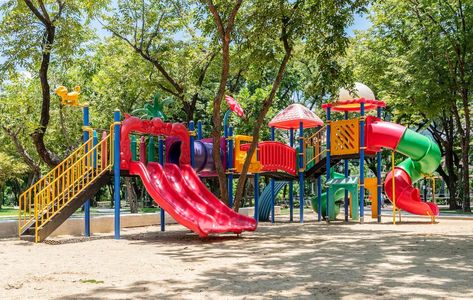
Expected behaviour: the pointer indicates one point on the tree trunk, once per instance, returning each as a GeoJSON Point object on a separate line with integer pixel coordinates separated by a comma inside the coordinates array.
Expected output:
{"type": "Point", "coordinates": [259, 122]}
{"type": "Point", "coordinates": [38, 134]}
{"type": "Point", "coordinates": [224, 31]}
{"type": "Point", "coordinates": [131, 195]}
{"type": "Point", "coordinates": [466, 153]}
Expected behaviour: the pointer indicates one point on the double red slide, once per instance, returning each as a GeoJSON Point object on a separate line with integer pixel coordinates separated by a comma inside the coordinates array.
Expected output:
{"type": "Point", "coordinates": [181, 193]}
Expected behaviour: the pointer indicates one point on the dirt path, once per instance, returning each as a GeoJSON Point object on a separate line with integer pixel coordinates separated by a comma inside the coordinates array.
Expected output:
{"type": "Point", "coordinates": [348, 261]}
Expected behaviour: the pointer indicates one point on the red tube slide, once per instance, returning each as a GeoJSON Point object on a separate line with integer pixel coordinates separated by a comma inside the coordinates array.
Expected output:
{"type": "Point", "coordinates": [423, 158]}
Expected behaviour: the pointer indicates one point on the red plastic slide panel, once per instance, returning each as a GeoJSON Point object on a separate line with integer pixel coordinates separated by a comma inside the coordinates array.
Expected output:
{"type": "Point", "coordinates": [276, 156]}
{"type": "Point", "coordinates": [154, 127]}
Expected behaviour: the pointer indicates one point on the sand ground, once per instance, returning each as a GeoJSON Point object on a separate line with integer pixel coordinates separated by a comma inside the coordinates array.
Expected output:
{"type": "Point", "coordinates": [285, 260]}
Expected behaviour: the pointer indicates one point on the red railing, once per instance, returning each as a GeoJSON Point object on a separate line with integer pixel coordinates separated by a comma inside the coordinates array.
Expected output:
{"type": "Point", "coordinates": [276, 156]}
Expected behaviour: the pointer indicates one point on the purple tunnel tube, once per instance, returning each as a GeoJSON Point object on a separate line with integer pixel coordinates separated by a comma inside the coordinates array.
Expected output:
{"type": "Point", "coordinates": [203, 159]}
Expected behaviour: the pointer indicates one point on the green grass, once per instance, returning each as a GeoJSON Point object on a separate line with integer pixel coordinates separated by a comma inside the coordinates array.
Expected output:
{"type": "Point", "coordinates": [455, 211]}
{"type": "Point", "coordinates": [150, 209]}
{"type": "Point", "coordinates": [93, 281]}
{"type": "Point", "coordinates": [8, 211]}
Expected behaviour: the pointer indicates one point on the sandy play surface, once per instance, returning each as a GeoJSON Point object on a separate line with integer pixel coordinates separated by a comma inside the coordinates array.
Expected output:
{"type": "Point", "coordinates": [310, 261]}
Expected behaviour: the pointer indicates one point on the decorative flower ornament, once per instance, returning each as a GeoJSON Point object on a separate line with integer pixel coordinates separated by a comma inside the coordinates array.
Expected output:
{"type": "Point", "coordinates": [235, 106]}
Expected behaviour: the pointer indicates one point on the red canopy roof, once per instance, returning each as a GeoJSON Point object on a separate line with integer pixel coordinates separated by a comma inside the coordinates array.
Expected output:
{"type": "Point", "coordinates": [293, 115]}
{"type": "Point", "coordinates": [354, 105]}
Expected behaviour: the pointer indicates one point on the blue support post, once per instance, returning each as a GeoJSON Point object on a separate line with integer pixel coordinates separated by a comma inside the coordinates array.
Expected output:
{"type": "Point", "coordinates": [273, 200]}
{"type": "Point", "coordinates": [378, 174]}
{"type": "Point", "coordinates": [225, 122]}
{"type": "Point", "coordinates": [199, 130]}
{"type": "Point", "coordinates": [345, 167]}
{"type": "Point", "coordinates": [362, 162]}
{"type": "Point", "coordinates": [291, 183]}
{"type": "Point", "coordinates": [256, 183]}
{"type": "Point", "coordinates": [116, 171]}
{"type": "Point", "coordinates": [301, 172]}
{"type": "Point", "coordinates": [86, 124]}
{"type": "Point", "coordinates": [230, 166]}
{"type": "Point", "coordinates": [161, 161]}
{"type": "Point", "coordinates": [192, 139]}
{"type": "Point", "coordinates": [327, 162]}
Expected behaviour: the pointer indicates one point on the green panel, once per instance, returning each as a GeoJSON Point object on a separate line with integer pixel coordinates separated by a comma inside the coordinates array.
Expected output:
{"type": "Point", "coordinates": [309, 152]}
{"type": "Point", "coordinates": [133, 148]}
{"type": "Point", "coordinates": [151, 150]}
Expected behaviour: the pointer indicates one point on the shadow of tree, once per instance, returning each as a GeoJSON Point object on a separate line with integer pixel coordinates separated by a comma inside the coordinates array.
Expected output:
{"type": "Point", "coordinates": [314, 260]}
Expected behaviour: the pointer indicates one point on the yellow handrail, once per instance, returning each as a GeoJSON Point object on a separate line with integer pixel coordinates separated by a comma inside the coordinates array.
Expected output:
{"type": "Point", "coordinates": [82, 173]}
{"type": "Point", "coordinates": [48, 196]}
{"type": "Point", "coordinates": [25, 215]}
{"type": "Point", "coordinates": [316, 140]}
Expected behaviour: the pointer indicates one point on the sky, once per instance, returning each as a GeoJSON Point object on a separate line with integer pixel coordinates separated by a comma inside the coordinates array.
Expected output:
{"type": "Point", "coordinates": [361, 22]}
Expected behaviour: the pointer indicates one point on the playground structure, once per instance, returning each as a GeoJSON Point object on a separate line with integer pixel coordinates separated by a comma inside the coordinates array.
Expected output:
{"type": "Point", "coordinates": [184, 157]}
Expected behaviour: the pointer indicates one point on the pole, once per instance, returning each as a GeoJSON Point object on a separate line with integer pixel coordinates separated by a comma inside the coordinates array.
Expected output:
{"type": "Point", "coordinates": [272, 184]}
{"type": "Point", "coordinates": [301, 172]}
{"type": "Point", "coordinates": [256, 183]}
{"type": "Point", "coordinates": [378, 174]}
{"type": "Point", "coordinates": [291, 183]}
{"type": "Point", "coordinates": [328, 162]}
{"type": "Point", "coordinates": [345, 169]}
{"type": "Point", "coordinates": [230, 166]}
{"type": "Point", "coordinates": [86, 123]}
{"type": "Point", "coordinates": [161, 161]}
{"type": "Point", "coordinates": [116, 171]}
{"type": "Point", "coordinates": [319, 198]}
{"type": "Point", "coordinates": [192, 138]}
{"type": "Point", "coordinates": [225, 122]}
{"type": "Point", "coordinates": [199, 130]}
{"type": "Point", "coordinates": [393, 188]}
{"type": "Point", "coordinates": [95, 142]}
{"type": "Point", "coordinates": [362, 162]}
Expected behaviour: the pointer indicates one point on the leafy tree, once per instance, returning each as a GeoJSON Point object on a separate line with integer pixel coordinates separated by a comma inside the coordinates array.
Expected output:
{"type": "Point", "coordinates": [31, 33]}
{"type": "Point", "coordinates": [269, 32]}
{"type": "Point", "coordinates": [417, 56]}
{"type": "Point", "coordinates": [164, 34]}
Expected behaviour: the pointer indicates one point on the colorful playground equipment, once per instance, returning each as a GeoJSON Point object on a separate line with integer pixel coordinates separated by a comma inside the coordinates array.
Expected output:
{"type": "Point", "coordinates": [174, 179]}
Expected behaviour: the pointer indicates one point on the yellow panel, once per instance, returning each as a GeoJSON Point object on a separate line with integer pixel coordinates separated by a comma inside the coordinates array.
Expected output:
{"type": "Point", "coordinates": [345, 137]}
{"type": "Point", "coordinates": [371, 185]}
{"type": "Point", "coordinates": [240, 156]}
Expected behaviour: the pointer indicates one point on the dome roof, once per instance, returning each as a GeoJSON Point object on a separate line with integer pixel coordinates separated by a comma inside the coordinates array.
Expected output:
{"type": "Point", "coordinates": [293, 115]}
{"type": "Point", "coordinates": [351, 101]}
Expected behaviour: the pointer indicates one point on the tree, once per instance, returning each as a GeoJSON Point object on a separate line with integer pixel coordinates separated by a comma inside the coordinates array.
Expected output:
{"type": "Point", "coordinates": [268, 33]}
{"type": "Point", "coordinates": [163, 34]}
{"type": "Point", "coordinates": [417, 55]}
{"type": "Point", "coordinates": [31, 33]}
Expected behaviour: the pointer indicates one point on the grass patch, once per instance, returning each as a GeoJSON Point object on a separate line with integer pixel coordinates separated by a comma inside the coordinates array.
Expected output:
{"type": "Point", "coordinates": [455, 211]}
{"type": "Point", "coordinates": [92, 281]}
{"type": "Point", "coordinates": [150, 209]}
{"type": "Point", "coordinates": [8, 212]}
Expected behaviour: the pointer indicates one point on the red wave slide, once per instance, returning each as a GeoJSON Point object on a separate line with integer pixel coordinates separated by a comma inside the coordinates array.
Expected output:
{"type": "Point", "coordinates": [423, 158]}
{"type": "Point", "coordinates": [181, 193]}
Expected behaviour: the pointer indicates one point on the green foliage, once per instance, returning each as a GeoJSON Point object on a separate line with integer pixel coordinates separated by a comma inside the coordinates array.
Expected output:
{"type": "Point", "coordinates": [153, 111]}
{"type": "Point", "coordinates": [10, 168]}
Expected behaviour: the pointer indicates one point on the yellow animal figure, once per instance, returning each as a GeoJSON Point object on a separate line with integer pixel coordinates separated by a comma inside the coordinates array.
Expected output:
{"type": "Point", "coordinates": [67, 98]}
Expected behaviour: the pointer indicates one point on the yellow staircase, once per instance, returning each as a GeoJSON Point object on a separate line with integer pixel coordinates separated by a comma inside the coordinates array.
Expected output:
{"type": "Point", "coordinates": [58, 194]}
